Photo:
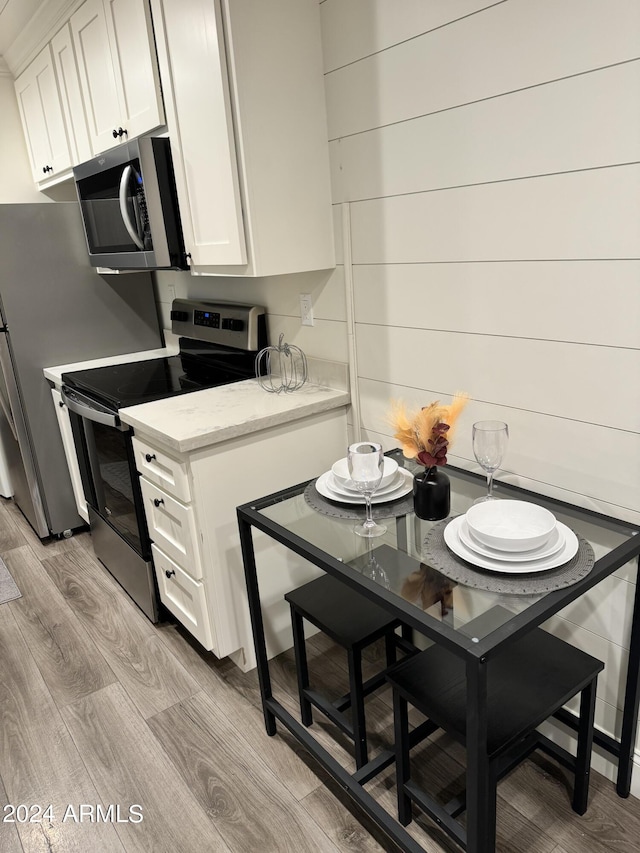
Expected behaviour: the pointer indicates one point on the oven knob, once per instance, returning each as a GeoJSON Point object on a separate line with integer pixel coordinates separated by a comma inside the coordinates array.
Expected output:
{"type": "Point", "coordinates": [233, 325]}
{"type": "Point", "coordinates": [157, 501]}
{"type": "Point", "coordinates": [169, 573]}
{"type": "Point", "coordinates": [150, 456]}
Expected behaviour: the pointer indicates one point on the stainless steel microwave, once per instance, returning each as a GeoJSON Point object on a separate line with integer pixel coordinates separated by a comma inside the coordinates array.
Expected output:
{"type": "Point", "coordinates": [129, 207]}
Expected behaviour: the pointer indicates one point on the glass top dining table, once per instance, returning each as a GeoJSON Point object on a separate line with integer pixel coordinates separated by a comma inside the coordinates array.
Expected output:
{"type": "Point", "coordinates": [399, 571]}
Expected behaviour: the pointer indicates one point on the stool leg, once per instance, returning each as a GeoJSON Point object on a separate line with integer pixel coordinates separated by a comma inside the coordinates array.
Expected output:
{"type": "Point", "coordinates": [390, 647]}
{"type": "Point", "coordinates": [357, 706]}
{"type": "Point", "coordinates": [302, 668]}
{"type": "Point", "coordinates": [585, 743]}
{"type": "Point", "coordinates": [401, 737]}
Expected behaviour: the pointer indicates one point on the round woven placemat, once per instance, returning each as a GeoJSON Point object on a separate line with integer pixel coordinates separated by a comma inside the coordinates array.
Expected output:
{"type": "Point", "coordinates": [437, 554]}
{"type": "Point", "coordinates": [401, 506]}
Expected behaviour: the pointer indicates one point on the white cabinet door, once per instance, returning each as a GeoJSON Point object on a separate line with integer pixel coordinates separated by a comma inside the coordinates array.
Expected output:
{"type": "Point", "coordinates": [192, 57]}
{"type": "Point", "coordinates": [183, 596]}
{"type": "Point", "coordinates": [118, 70]}
{"type": "Point", "coordinates": [172, 526]}
{"type": "Point", "coordinates": [62, 413]}
{"type": "Point", "coordinates": [136, 69]}
{"type": "Point", "coordinates": [167, 472]}
{"type": "Point", "coordinates": [66, 66]}
{"type": "Point", "coordinates": [42, 118]}
{"type": "Point", "coordinates": [97, 75]}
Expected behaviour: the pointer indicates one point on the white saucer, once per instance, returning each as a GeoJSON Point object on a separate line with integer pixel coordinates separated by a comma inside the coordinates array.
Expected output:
{"type": "Point", "coordinates": [399, 492]}
{"type": "Point", "coordinates": [568, 550]}
{"type": "Point", "coordinates": [336, 486]}
{"type": "Point", "coordinates": [554, 544]}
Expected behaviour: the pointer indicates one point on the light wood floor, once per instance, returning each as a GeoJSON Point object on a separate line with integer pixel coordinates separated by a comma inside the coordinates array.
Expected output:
{"type": "Point", "coordinates": [99, 706]}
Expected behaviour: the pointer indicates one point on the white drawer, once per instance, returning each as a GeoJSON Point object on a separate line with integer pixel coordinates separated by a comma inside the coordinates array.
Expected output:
{"type": "Point", "coordinates": [183, 596]}
{"type": "Point", "coordinates": [172, 527]}
{"type": "Point", "coordinates": [158, 467]}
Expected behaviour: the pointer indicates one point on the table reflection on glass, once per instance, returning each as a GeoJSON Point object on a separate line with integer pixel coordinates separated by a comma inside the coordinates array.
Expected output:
{"type": "Point", "coordinates": [393, 572]}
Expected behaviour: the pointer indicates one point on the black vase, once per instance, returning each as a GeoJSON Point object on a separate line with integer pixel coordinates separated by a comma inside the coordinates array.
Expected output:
{"type": "Point", "coordinates": [431, 494]}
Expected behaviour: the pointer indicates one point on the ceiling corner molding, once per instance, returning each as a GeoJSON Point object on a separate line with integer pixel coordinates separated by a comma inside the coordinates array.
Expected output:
{"type": "Point", "coordinates": [5, 71]}
{"type": "Point", "coordinates": [51, 15]}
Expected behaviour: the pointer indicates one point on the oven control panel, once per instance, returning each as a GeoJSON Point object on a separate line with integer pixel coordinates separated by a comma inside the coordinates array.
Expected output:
{"type": "Point", "coordinates": [227, 323]}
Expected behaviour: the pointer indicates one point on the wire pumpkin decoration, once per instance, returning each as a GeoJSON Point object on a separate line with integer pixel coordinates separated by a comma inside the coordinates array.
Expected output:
{"type": "Point", "coordinates": [281, 368]}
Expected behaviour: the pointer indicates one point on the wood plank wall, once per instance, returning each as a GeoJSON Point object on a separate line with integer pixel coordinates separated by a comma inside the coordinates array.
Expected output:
{"type": "Point", "coordinates": [487, 156]}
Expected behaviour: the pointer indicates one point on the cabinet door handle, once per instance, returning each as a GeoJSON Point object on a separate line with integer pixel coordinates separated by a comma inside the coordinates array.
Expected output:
{"type": "Point", "coordinates": [169, 573]}
{"type": "Point", "coordinates": [120, 132]}
{"type": "Point", "coordinates": [157, 501]}
{"type": "Point", "coordinates": [150, 456]}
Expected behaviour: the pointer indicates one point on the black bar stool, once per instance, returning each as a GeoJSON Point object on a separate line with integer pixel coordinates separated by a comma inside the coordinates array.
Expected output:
{"type": "Point", "coordinates": [353, 622]}
{"type": "Point", "coordinates": [526, 684]}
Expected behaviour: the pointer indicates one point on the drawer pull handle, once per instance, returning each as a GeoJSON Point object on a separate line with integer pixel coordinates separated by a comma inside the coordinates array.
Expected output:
{"type": "Point", "coordinates": [157, 501]}
{"type": "Point", "coordinates": [169, 573]}
{"type": "Point", "coordinates": [150, 457]}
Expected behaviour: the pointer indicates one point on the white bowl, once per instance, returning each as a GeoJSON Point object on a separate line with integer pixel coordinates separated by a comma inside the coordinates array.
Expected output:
{"type": "Point", "coordinates": [510, 525]}
{"type": "Point", "coordinates": [340, 471]}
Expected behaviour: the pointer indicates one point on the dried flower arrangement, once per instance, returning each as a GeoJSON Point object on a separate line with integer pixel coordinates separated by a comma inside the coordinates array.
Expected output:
{"type": "Point", "coordinates": [426, 435]}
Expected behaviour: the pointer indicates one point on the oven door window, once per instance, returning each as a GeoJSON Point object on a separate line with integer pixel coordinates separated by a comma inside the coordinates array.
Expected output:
{"type": "Point", "coordinates": [114, 211]}
{"type": "Point", "coordinates": [115, 481]}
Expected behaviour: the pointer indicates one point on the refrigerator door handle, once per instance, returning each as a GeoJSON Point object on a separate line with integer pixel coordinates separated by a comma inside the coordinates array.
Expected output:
{"type": "Point", "coordinates": [5, 405]}
{"type": "Point", "coordinates": [6, 411]}
{"type": "Point", "coordinates": [19, 425]}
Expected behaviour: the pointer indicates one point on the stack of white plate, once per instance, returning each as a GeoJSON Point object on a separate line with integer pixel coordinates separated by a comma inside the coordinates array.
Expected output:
{"type": "Point", "coordinates": [336, 485]}
{"type": "Point", "coordinates": [511, 536]}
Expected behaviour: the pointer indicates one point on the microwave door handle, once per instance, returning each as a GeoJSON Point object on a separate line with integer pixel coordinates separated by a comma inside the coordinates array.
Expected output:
{"type": "Point", "coordinates": [128, 224]}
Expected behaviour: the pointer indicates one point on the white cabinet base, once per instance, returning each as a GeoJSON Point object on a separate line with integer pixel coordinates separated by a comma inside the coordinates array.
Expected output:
{"type": "Point", "coordinates": [196, 550]}
{"type": "Point", "coordinates": [237, 471]}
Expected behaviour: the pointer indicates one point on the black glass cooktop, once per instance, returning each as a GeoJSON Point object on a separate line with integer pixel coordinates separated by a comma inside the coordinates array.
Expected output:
{"type": "Point", "coordinates": [119, 385]}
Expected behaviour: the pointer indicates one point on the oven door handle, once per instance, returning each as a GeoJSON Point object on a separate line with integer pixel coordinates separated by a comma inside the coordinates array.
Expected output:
{"type": "Point", "coordinates": [128, 224]}
{"type": "Point", "coordinates": [89, 409]}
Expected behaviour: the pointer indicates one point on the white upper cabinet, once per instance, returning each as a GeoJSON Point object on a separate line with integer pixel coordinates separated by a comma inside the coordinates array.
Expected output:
{"type": "Point", "coordinates": [64, 59]}
{"type": "Point", "coordinates": [201, 131]}
{"type": "Point", "coordinates": [244, 98]}
{"type": "Point", "coordinates": [42, 118]}
{"type": "Point", "coordinates": [118, 70]}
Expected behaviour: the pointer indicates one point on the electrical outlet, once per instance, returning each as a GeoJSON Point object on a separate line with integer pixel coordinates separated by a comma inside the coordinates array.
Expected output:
{"type": "Point", "coordinates": [306, 309]}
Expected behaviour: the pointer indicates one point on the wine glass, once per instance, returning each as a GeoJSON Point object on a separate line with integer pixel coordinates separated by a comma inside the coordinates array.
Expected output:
{"type": "Point", "coordinates": [490, 439]}
{"type": "Point", "coordinates": [374, 570]}
{"type": "Point", "coordinates": [366, 462]}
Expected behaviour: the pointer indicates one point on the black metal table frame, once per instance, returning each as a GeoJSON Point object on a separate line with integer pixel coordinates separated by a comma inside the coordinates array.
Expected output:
{"type": "Point", "coordinates": [476, 654]}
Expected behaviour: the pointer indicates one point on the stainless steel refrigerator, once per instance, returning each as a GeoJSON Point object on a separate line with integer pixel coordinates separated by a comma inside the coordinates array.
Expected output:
{"type": "Point", "coordinates": [56, 309]}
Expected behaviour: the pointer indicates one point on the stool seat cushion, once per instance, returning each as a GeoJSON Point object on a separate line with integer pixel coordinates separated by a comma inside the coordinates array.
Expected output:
{"type": "Point", "coordinates": [526, 683]}
{"type": "Point", "coordinates": [340, 612]}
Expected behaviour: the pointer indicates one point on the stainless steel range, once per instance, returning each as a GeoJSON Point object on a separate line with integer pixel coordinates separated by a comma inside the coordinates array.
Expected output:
{"type": "Point", "coordinates": [218, 345]}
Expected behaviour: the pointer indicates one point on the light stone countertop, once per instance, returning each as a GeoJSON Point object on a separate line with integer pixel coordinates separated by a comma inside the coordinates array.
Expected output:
{"type": "Point", "coordinates": [202, 418]}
